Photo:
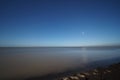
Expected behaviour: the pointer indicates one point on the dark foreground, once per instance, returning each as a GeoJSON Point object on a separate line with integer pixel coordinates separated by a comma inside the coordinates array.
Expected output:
{"type": "Point", "coordinates": [111, 72]}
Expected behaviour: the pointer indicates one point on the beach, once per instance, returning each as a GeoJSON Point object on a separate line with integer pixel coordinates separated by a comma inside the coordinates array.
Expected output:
{"type": "Point", "coordinates": [111, 72]}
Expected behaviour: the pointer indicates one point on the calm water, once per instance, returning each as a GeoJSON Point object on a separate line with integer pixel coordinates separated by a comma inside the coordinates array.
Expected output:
{"type": "Point", "coordinates": [26, 62]}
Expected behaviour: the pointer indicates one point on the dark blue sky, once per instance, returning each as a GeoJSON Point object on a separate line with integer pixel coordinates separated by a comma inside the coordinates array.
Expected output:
{"type": "Point", "coordinates": [59, 22]}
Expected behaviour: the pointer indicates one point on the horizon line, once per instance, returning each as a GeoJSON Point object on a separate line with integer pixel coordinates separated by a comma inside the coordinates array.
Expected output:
{"type": "Point", "coordinates": [69, 46]}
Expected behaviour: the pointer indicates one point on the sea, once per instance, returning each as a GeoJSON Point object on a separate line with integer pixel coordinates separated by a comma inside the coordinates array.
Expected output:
{"type": "Point", "coordinates": [24, 62]}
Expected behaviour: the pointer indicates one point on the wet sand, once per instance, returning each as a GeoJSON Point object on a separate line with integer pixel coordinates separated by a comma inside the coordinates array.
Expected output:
{"type": "Point", "coordinates": [111, 72]}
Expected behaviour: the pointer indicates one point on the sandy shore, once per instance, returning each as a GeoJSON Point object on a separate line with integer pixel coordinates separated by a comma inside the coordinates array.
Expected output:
{"type": "Point", "coordinates": [111, 72]}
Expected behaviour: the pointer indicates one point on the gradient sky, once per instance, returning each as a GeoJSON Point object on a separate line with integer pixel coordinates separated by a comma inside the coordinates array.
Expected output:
{"type": "Point", "coordinates": [59, 22]}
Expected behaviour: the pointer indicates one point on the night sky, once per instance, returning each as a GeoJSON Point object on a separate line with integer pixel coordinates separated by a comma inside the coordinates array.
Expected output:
{"type": "Point", "coordinates": [59, 22]}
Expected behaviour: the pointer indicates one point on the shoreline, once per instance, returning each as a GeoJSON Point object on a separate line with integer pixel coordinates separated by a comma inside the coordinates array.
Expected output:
{"type": "Point", "coordinates": [109, 72]}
